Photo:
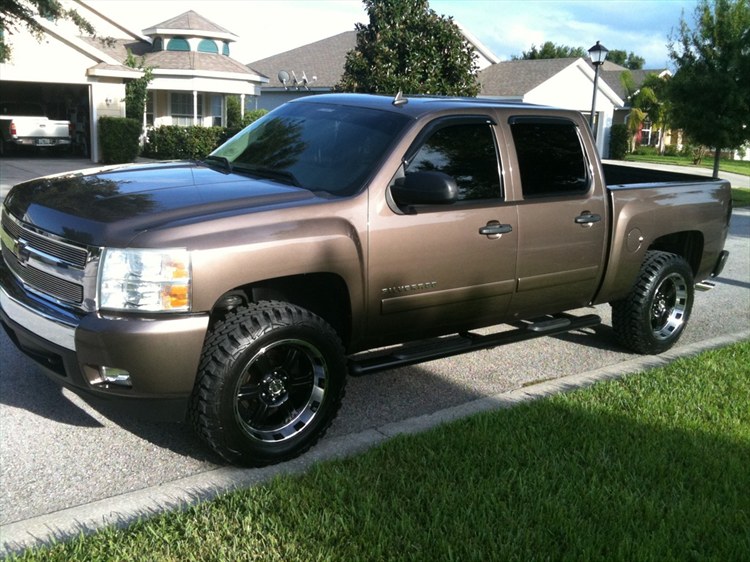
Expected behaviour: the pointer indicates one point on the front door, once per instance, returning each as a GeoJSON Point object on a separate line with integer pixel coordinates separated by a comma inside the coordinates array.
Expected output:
{"type": "Point", "coordinates": [435, 267]}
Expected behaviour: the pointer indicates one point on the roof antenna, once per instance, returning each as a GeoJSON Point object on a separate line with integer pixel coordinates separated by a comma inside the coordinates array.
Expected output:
{"type": "Point", "coordinates": [400, 99]}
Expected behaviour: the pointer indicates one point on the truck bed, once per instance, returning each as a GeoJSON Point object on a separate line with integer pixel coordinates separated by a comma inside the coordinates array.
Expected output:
{"type": "Point", "coordinates": [615, 174]}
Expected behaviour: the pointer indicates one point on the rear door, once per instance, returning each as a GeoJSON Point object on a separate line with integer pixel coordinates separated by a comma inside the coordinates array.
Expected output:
{"type": "Point", "coordinates": [561, 217]}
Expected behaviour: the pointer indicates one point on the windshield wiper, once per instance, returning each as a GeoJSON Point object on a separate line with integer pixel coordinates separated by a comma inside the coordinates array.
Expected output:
{"type": "Point", "coordinates": [281, 175]}
{"type": "Point", "coordinates": [221, 160]}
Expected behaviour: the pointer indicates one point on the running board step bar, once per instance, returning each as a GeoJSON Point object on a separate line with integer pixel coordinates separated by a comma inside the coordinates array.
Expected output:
{"type": "Point", "coordinates": [410, 354]}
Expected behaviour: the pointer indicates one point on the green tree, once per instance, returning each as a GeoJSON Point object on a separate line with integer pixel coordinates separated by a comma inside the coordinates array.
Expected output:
{"type": "Point", "coordinates": [630, 60]}
{"type": "Point", "coordinates": [408, 47]}
{"type": "Point", "coordinates": [549, 50]}
{"type": "Point", "coordinates": [136, 90]}
{"type": "Point", "coordinates": [710, 91]}
{"type": "Point", "coordinates": [648, 102]}
{"type": "Point", "coordinates": [16, 13]}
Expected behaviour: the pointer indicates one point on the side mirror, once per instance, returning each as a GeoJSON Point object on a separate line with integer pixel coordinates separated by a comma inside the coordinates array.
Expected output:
{"type": "Point", "coordinates": [425, 188]}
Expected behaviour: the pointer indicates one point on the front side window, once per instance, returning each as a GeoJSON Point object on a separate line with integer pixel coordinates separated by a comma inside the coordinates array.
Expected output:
{"type": "Point", "coordinates": [467, 153]}
{"type": "Point", "coordinates": [550, 157]}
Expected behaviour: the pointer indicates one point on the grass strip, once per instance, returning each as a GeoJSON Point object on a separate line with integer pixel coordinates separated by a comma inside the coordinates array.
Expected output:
{"type": "Point", "coordinates": [734, 166]}
{"type": "Point", "coordinates": [654, 466]}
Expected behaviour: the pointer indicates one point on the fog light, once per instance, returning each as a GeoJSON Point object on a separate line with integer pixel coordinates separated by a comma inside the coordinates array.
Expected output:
{"type": "Point", "coordinates": [111, 375]}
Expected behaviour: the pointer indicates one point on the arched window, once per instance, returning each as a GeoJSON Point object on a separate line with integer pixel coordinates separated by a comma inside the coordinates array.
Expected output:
{"type": "Point", "coordinates": [225, 49]}
{"type": "Point", "coordinates": [158, 45]}
{"type": "Point", "coordinates": [208, 46]}
{"type": "Point", "coordinates": [178, 44]}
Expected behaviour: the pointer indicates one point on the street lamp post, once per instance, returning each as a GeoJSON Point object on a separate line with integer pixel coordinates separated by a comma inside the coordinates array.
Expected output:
{"type": "Point", "coordinates": [597, 53]}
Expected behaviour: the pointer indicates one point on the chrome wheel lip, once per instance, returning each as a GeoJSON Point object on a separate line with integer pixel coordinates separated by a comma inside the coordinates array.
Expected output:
{"type": "Point", "coordinates": [669, 307]}
{"type": "Point", "coordinates": [304, 413]}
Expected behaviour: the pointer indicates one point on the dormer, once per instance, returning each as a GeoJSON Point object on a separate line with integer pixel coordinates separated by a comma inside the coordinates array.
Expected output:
{"type": "Point", "coordinates": [190, 32]}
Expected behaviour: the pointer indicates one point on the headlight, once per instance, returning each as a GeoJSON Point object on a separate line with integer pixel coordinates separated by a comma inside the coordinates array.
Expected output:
{"type": "Point", "coordinates": [145, 280]}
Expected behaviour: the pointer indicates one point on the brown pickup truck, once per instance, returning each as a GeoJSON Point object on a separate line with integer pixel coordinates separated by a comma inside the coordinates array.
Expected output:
{"type": "Point", "coordinates": [336, 236]}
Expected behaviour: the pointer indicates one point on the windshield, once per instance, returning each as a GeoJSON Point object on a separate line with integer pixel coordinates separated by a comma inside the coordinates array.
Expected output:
{"type": "Point", "coordinates": [316, 146]}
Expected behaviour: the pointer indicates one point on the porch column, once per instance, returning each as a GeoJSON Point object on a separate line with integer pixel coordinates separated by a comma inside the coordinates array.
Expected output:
{"type": "Point", "coordinates": [242, 105]}
{"type": "Point", "coordinates": [195, 107]}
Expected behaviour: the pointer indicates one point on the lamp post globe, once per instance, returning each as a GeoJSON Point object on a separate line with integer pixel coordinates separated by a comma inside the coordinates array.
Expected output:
{"type": "Point", "coordinates": [597, 54]}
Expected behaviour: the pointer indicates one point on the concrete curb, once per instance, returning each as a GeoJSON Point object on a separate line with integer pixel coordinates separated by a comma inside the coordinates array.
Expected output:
{"type": "Point", "coordinates": [126, 508]}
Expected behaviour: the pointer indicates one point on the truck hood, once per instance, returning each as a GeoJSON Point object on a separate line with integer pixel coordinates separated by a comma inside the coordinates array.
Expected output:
{"type": "Point", "coordinates": [112, 206]}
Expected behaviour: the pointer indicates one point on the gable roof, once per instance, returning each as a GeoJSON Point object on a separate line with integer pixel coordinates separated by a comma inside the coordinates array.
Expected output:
{"type": "Point", "coordinates": [322, 59]}
{"type": "Point", "coordinates": [517, 77]}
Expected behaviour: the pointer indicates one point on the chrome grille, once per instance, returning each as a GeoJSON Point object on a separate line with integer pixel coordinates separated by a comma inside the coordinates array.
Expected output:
{"type": "Point", "coordinates": [45, 264]}
{"type": "Point", "coordinates": [73, 255]}
{"type": "Point", "coordinates": [44, 282]}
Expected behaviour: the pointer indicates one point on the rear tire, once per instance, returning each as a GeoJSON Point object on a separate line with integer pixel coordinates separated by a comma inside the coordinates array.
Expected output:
{"type": "Point", "coordinates": [270, 382]}
{"type": "Point", "coordinates": [653, 316]}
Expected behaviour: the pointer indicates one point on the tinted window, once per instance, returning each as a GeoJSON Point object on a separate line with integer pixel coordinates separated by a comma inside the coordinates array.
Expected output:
{"type": "Point", "coordinates": [550, 157]}
{"type": "Point", "coordinates": [467, 153]}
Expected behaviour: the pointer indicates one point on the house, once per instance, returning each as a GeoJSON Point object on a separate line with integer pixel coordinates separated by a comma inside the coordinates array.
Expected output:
{"type": "Point", "coordinates": [83, 78]}
{"type": "Point", "coordinates": [316, 68]}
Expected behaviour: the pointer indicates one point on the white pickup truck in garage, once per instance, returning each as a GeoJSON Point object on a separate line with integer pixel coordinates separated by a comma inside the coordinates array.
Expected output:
{"type": "Point", "coordinates": [26, 125]}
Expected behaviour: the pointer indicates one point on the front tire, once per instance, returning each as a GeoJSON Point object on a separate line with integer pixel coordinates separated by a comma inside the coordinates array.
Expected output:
{"type": "Point", "coordinates": [271, 380]}
{"type": "Point", "coordinates": [653, 316]}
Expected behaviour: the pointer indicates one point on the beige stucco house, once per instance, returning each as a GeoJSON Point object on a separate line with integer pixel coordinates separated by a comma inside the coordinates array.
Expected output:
{"type": "Point", "coordinates": [82, 78]}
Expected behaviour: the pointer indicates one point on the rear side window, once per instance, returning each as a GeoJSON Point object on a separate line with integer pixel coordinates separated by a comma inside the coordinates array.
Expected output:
{"type": "Point", "coordinates": [550, 157]}
{"type": "Point", "coordinates": [466, 152]}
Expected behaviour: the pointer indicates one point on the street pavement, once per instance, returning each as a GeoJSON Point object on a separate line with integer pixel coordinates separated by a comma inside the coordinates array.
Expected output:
{"type": "Point", "coordinates": [66, 466]}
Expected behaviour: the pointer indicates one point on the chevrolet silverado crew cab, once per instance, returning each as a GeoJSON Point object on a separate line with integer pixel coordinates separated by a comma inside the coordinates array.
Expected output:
{"type": "Point", "coordinates": [343, 234]}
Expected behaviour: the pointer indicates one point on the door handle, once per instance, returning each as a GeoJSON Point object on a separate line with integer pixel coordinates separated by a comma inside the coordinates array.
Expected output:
{"type": "Point", "coordinates": [495, 229]}
{"type": "Point", "coordinates": [587, 218]}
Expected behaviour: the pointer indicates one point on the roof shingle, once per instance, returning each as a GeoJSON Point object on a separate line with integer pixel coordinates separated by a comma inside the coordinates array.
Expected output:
{"type": "Point", "coordinates": [323, 59]}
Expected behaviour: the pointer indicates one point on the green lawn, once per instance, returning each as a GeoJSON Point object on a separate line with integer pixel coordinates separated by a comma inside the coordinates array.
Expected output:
{"type": "Point", "coordinates": [654, 466]}
{"type": "Point", "coordinates": [734, 166]}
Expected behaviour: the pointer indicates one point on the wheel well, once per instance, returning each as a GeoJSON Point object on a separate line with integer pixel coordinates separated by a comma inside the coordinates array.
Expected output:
{"type": "Point", "coordinates": [689, 245]}
{"type": "Point", "coordinates": [324, 294]}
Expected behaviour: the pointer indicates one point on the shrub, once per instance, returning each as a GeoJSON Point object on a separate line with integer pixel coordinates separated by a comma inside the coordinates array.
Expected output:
{"type": "Point", "coordinates": [172, 142]}
{"type": "Point", "coordinates": [119, 138]}
{"type": "Point", "coordinates": [618, 142]}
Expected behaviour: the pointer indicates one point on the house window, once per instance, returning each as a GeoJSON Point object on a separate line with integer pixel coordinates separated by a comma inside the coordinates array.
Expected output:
{"type": "Point", "coordinates": [158, 45]}
{"type": "Point", "coordinates": [217, 107]}
{"type": "Point", "coordinates": [178, 44]}
{"type": "Point", "coordinates": [150, 109]}
{"type": "Point", "coordinates": [208, 46]}
{"type": "Point", "coordinates": [182, 108]}
{"type": "Point", "coordinates": [225, 49]}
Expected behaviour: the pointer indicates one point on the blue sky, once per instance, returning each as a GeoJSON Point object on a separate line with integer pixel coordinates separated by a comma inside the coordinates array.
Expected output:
{"type": "Point", "coordinates": [507, 27]}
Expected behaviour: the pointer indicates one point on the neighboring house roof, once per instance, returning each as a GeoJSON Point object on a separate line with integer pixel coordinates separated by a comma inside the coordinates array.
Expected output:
{"type": "Point", "coordinates": [325, 61]}
{"type": "Point", "coordinates": [614, 78]}
{"type": "Point", "coordinates": [322, 59]}
{"type": "Point", "coordinates": [190, 23]}
{"type": "Point", "coordinates": [517, 77]}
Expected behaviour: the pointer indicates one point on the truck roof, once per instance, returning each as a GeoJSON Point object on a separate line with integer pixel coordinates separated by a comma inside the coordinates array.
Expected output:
{"type": "Point", "coordinates": [413, 105]}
